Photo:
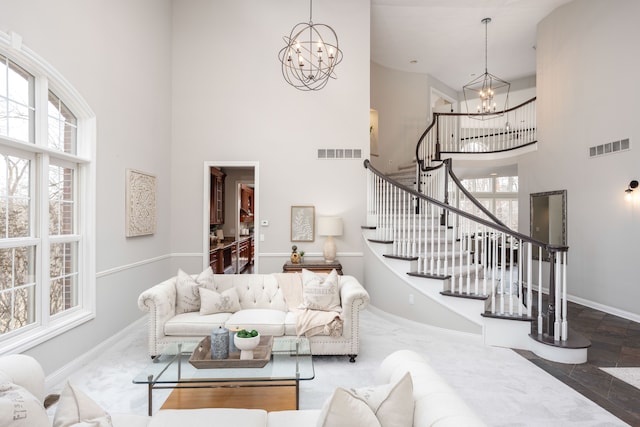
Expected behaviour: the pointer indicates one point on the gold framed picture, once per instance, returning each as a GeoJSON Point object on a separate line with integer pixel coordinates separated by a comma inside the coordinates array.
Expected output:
{"type": "Point", "coordinates": [302, 223]}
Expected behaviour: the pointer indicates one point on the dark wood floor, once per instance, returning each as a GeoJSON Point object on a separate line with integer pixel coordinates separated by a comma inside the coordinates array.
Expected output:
{"type": "Point", "coordinates": [615, 342]}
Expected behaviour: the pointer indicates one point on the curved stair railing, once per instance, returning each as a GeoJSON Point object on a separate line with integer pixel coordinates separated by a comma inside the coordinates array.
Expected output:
{"type": "Point", "coordinates": [451, 133]}
{"type": "Point", "coordinates": [474, 257]}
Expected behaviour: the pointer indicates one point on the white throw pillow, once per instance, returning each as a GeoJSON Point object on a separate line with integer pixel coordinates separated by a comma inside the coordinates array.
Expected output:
{"type": "Point", "coordinates": [77, 409]}
{"type": "Point", "coordinates": [212, 302]}
{"type": "Point", "coordinates": [392, 403]}
{"type": "Point", "coordinates": [187, 293]}
{"type": "Point", "coordinates": [320, 293]}
{"type": "Point", "coordinates": [20, 408]}
{"type": "Point", "coordinates": [387, 405]}
{"type": "Point", "coordinates": [343, 409]}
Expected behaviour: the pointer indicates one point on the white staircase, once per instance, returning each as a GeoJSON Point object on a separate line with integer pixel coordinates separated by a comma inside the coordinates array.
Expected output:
{"type": "Point", "coordinates": [450, 276]}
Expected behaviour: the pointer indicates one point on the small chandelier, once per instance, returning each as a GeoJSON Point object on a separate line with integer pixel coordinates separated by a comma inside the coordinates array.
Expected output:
{"type": "Point", "coordinates": [483, 88]}
{"type": "Point", "coordinates": [310, 56]}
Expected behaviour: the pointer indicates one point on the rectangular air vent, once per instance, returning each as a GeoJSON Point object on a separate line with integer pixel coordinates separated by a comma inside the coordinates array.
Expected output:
{"type": "Point", "coordinates": [339, 153]}
{"type": "Point", "coordinates": [609, 148]}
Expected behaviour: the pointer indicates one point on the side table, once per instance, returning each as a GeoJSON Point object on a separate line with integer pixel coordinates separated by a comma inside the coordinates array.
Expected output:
{"type": "Point", "coordinates": [315, 266]}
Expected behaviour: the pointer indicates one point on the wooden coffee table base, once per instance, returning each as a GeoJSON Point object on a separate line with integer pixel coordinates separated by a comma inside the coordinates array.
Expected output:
{"type": "Point", "coordinates": [270, 396]}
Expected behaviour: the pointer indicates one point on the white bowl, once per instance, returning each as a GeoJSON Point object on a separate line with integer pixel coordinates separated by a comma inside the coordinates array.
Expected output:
{"type": "Point", "coordinates": [246, 346]}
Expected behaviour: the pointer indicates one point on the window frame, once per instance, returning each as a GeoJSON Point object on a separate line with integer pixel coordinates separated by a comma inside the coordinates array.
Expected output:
{"type": "Point", "coordinates": [495, 195]}
{"type": "Point", "coordinates": [46, 78]}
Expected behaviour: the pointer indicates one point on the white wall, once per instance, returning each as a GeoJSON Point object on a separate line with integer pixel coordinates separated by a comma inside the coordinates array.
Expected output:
{"type": "Point", "coordinates": [116, 54]}
{"type": "Point", "coordinates": [175, 84]}
{"type": "Point", "coordinates": [587, 85]}
{"type": "Point", "coordinates": [231, 103]}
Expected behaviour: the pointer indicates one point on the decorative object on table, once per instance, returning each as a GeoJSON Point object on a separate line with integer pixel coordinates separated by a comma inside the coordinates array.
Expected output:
{"type": "Point", "coordinates": [329, 226]}
{"type": "Point", "coordinates": [140, 203]}
{"type": "Point", "coordinates": [246, 341]}
{"type": "Point", "coordinates": [201, 357]}
{"type": "Point", "coordinates": [302, 222]}
{"type": "Point", "coordinates": [295, 256]}
{"type": "Point", "coordinates": [220, 343]}
{"type": "Point", "coordinates": [301, 257]}
{"type": "Point", "coordinates": [310, 56]}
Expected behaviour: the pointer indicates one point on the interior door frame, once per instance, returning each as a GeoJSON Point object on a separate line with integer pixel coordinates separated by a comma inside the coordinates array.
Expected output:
{"type": "Point", "coordinates": [206, 206]}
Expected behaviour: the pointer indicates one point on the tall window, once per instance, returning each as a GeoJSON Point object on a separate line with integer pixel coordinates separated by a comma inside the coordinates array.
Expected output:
{"type": "Point", "coordinates": [46, 284]}
{"type": "Point", "coordinates": [498, 194]}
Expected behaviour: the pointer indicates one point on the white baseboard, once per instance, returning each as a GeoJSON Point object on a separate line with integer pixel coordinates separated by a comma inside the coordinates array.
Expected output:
{"type": "Point", "coordinates": [607, 309]}
{"type": "Point", "coordinates": [59, 376]}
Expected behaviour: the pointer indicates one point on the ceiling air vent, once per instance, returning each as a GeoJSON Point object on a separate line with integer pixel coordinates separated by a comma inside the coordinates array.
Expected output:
{"type": "Point", "coordinates": [339, 153]}
{"type": "Point", "coordinates": [609, 148]}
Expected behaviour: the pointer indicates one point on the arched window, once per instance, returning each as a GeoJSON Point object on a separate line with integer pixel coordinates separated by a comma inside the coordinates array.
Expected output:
{"type": "Point", "coordinates": [47, 271]}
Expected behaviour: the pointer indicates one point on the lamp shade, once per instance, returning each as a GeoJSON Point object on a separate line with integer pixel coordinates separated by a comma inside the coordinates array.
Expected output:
{"type": "Point", "coordinates": [330, 226]}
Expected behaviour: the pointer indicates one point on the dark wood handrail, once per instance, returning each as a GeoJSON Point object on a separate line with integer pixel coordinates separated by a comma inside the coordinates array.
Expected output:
{"type": "Point", "coordinates": [434, 121]}
{"type": "Point", "coordinates": [496, 227]}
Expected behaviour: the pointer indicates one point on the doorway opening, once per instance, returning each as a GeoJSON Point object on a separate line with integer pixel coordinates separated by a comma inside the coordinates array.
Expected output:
{"type": "Point", "coordinates": [230, 217]}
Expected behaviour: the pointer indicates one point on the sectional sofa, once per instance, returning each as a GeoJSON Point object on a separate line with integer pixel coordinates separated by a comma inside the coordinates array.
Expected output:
{"type": "Point", "coordinates": [407, 393]}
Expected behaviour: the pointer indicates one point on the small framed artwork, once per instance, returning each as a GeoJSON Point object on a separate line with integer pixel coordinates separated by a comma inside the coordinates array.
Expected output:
{"type": "Point", "coordinates": [302, 223]}
{"type": "Point", "coordinates": [140, 203]}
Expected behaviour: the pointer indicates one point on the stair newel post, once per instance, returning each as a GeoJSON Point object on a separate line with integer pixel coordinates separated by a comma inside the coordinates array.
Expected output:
{"type": "Point", "coordinates": [565, 326]}
{"type": "Point", "coordinates": [438, 148]}
{"type": "Point", "coordinates": [551, 306]}
{"type": "Point", "coordinates": [540, 308]}
{"type": "Point", "coordinates": [447, 165]}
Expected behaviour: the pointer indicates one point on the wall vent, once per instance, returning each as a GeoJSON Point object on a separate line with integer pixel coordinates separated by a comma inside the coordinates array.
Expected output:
{"type": "Point", "coordinates": [609, 148]}
{"type": "Point", "coordinates": [339, 153]}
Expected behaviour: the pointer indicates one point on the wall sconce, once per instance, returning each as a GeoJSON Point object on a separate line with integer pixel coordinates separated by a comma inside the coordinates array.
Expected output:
{"type": "Point", "coordinates": [329, 226]}
{"type": "Point", "coordinates": [632, 186]}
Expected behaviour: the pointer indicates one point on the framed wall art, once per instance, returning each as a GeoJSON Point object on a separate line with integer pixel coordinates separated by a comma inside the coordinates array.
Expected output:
{"type": "Point", "coordinates": [140, 203]}
{"type": "Point", "coordinates": [302, 223]}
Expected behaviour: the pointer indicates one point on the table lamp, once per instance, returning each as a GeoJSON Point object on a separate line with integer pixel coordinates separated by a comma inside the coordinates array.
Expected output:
{"type": "Point", "coordinates": [329, 226]}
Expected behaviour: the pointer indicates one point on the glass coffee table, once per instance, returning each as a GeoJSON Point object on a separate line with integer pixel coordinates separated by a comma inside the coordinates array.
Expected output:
{"type": "Point", "coordinates": [279, 379]}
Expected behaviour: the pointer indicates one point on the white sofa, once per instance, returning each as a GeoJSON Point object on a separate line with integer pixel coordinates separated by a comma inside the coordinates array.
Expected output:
{"type": "Point", "coordinates": [268, 303]}
{"type": "Point", "coordinates": [435, 404]}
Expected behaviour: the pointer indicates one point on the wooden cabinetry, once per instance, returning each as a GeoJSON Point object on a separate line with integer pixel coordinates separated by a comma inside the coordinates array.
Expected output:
{"type": "Point", "coordinates": [217, 196]}
{"type": "Point", "coordinates": [231, 256]}
{"type": "Point", "coordinates": [246, 203]}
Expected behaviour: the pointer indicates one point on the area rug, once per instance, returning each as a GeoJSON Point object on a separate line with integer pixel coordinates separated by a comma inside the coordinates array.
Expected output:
{"type": "Point", "coordinates": [628, 375]}
{"type": "Point", "coordinates": [503, 388]}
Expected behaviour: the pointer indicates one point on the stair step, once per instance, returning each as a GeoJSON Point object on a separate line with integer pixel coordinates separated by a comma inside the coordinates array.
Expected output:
{"type": "Point", "coordinates": [428, 276]}
{"type": "Point", "coordinates": [464, 295]}
{"type": "Point", "coordinates": [505, 316]}
{"type": "Point", "coordinates": [400, 257]}
{"type": "Point", "coordinates": [380, 241]}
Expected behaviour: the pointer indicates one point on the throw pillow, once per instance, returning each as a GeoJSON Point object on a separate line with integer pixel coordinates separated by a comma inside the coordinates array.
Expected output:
{"type": "Point", "coordinates": [212, 302]}
{"type": "Point", "coordinates": [77, 409]}
{"type": "Point", "coordinates": [320, 293]}
{"type": "Point", "coordinates": [20, 408]}
{"type": "Point", "coordinates": [343, 409]}
{"type": "Point", "coordinates": [187, 293]}
{"type": "Point", "coordinates": [393, 404]}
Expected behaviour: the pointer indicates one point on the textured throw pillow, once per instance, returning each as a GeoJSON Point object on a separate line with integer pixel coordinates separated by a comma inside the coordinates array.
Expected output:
{"type": "Point", "coordinates": [187, 293]}
{"type": "Point", "coordinates": [77, 409]}
{"type": "Point", "coordinates": [19, 408]}
{"type": "Point", "coordinates": [392, 403]}
{"type": "Point", "coordinates": [343, 409]}
{"type": "Point", "coordinates": [320, 293]}
{"type": "Point", "coordinates": [212, 302]}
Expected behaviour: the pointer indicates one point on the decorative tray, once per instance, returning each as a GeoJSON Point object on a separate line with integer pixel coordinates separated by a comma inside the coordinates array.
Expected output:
{"type": "Point", "coordinates": [201, 357]}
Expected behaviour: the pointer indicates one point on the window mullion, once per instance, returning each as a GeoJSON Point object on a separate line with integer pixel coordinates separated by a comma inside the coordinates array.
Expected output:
{"type": "Point", "coordinates": [43, 251]}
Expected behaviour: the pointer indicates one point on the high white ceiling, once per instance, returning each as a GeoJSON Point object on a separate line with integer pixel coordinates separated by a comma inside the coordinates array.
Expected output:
{"type": "Point", "coordinates": [447, 37]}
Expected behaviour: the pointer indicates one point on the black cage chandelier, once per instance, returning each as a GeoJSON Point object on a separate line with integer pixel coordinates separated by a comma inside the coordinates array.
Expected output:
{"type": "Point", "coordinates": [479, 93]}
{"type": "Point", "coordinates": [311, 55]}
